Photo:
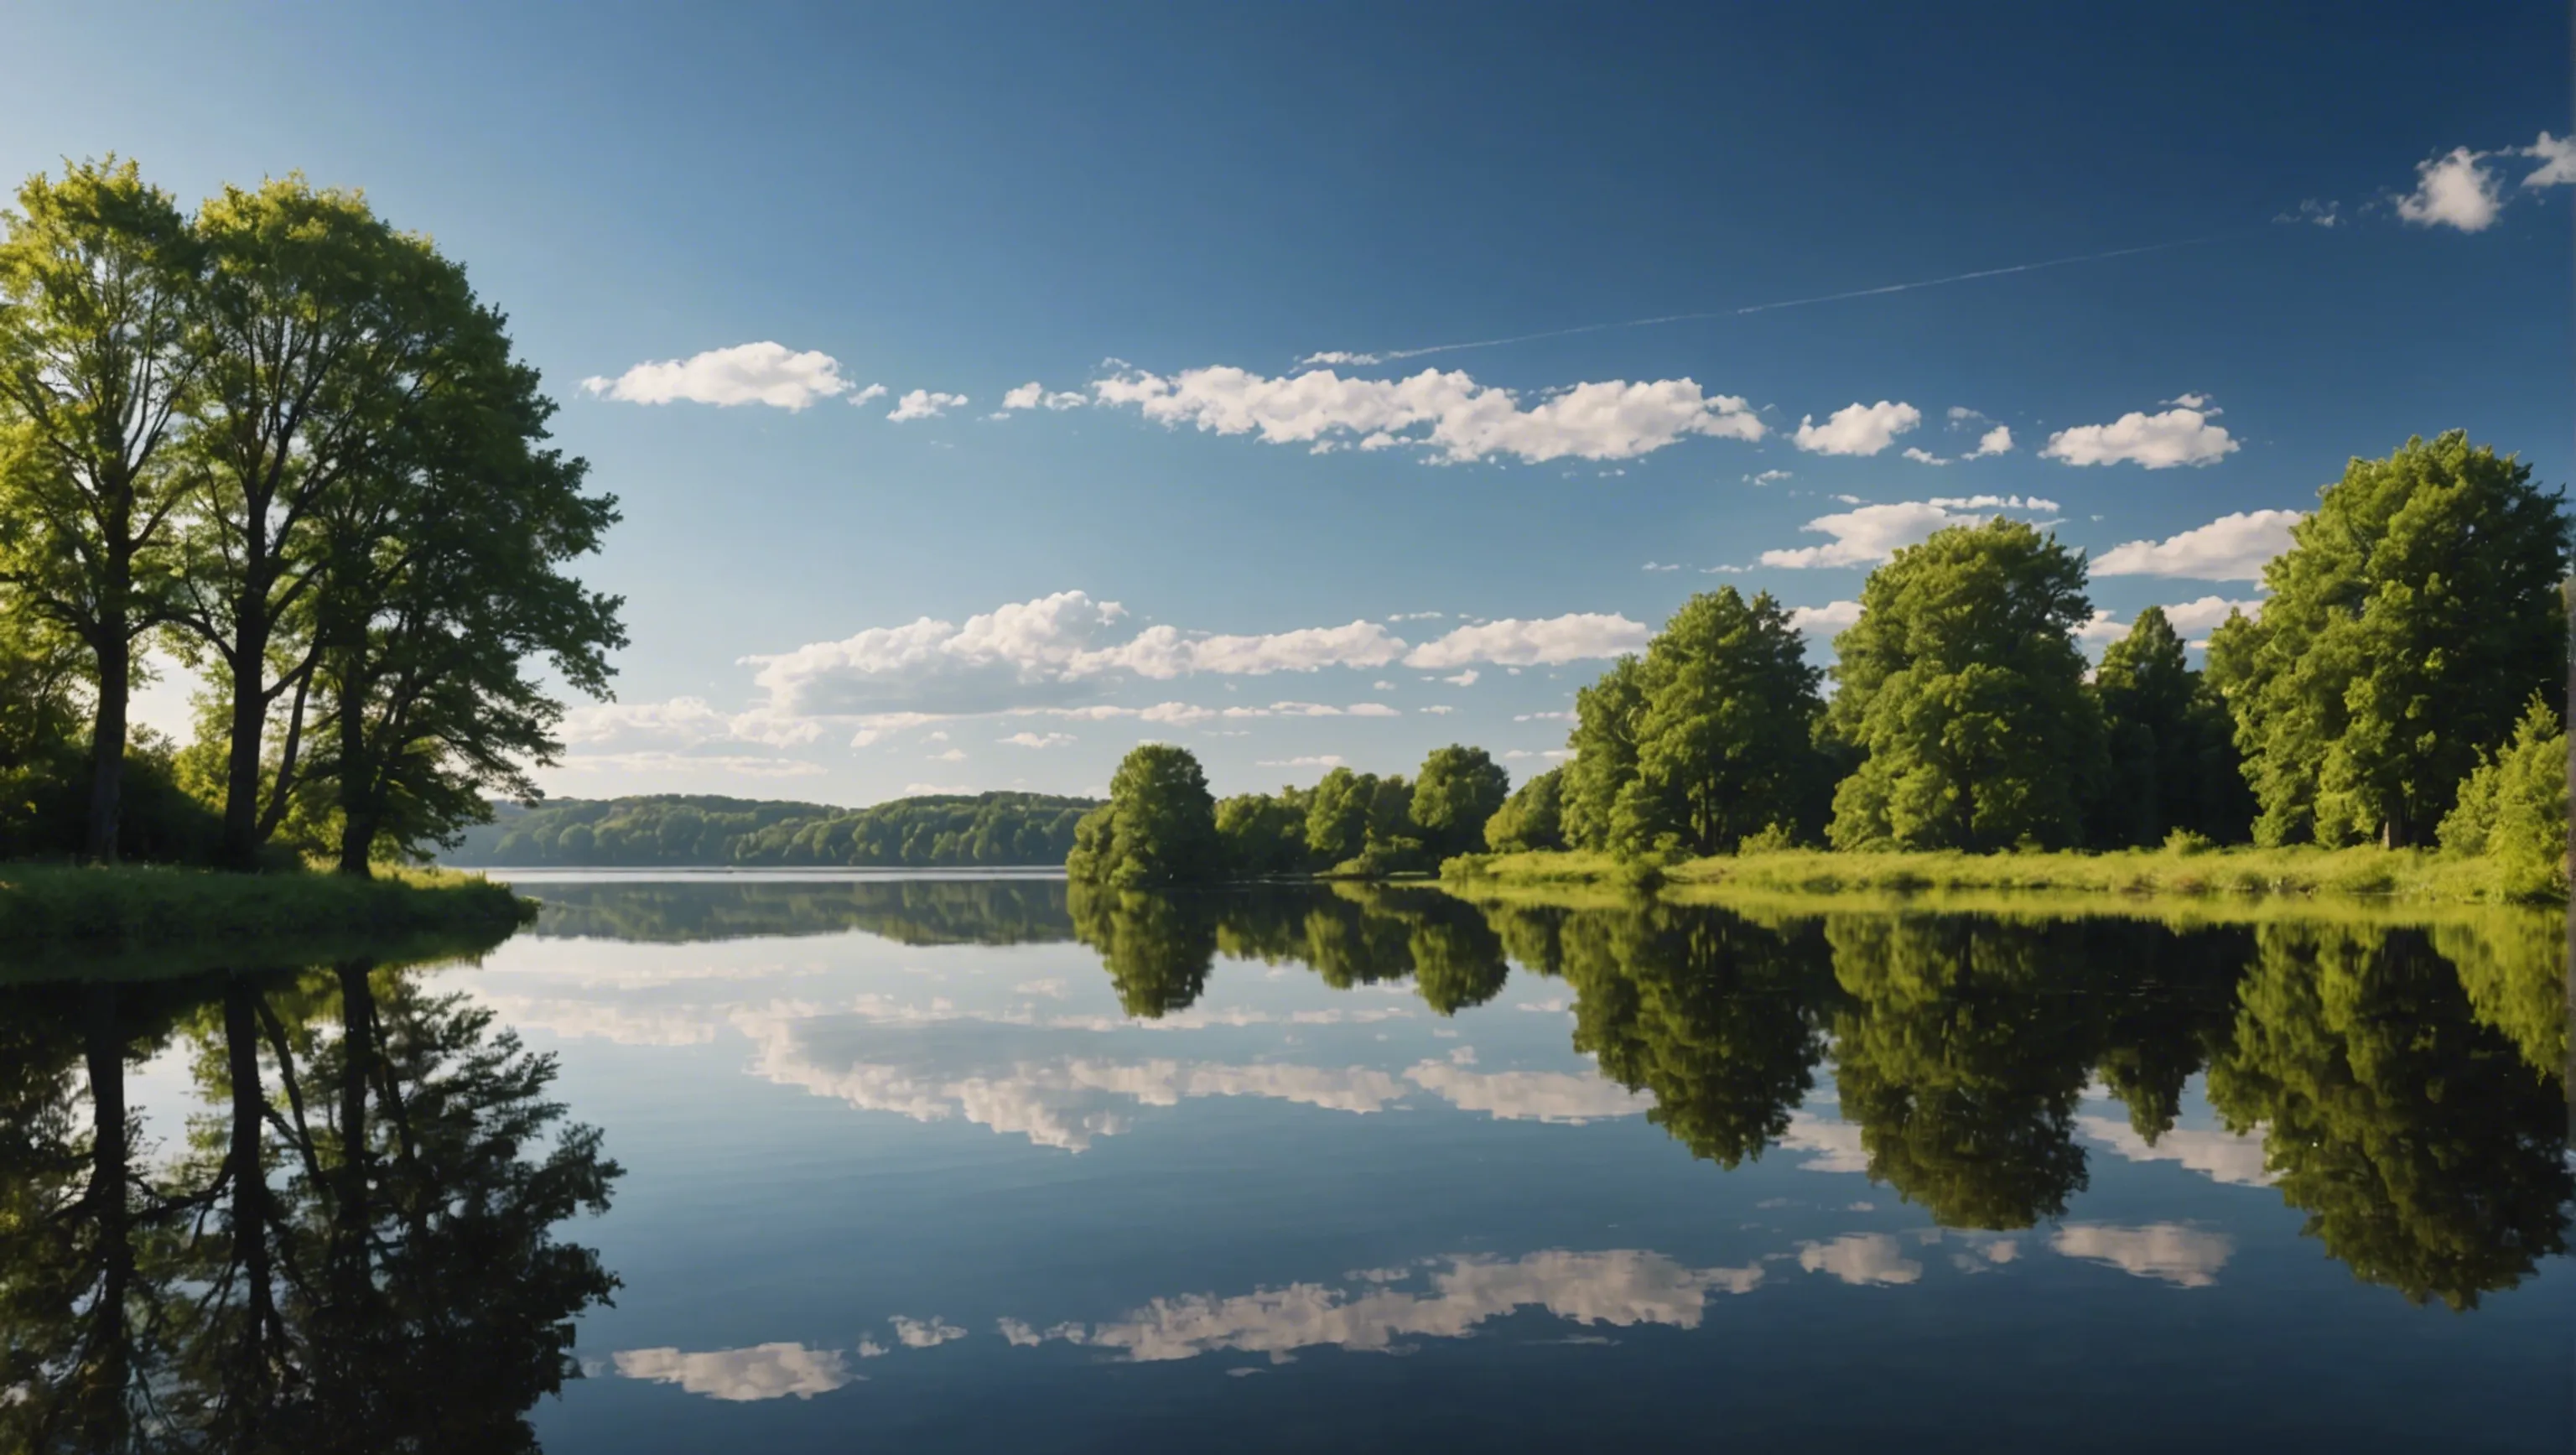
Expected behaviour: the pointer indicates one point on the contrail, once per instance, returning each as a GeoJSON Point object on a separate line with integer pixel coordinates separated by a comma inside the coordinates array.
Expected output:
{"type": "Point", "coordinates": [1391, 355]}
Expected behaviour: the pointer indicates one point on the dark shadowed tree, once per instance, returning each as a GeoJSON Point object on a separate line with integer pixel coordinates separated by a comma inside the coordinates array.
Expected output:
{"type": "Point", "coordinates": [2172, 752]}
{"type": "Point", "coordinates": [1532, 818]}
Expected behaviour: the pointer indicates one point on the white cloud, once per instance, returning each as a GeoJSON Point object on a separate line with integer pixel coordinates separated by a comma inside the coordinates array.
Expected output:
{"type": "Point", "coordinates": [1545, 642]}
{"type": "Point", "coordinates": [1836, 1144]}
{"type": "Point", "coordinates": [2190, 1257]}
{"type": "Point", "coordinates": [924, 404]}
{"type": "Point", "coordinates": [953, 755]}
{"type": "Point", "coordinates": [1439, 709]}
{"type": "Point", "coordinates": [1447, 413]}
{"type": "Point", "coordinates": [1034, 395]}
{"type": "Point", "coordinates": [2454, 190]}
{"type": "Point", "coordinates": [668, 763]}
{"type": "Point", "coordinates": [1923, 456]}
{"type": "Point", "coordinates": [2230, 548]}
{"type": "Point", "coordinates": [1541, 1096]}
{"type": "Point", "coordinates": [1861, 1259]}
{"type": "Point", "coordinates": [927, 1333]}
{"type": "Point", "coordinates": [1037, 740]}
{"type": "Point", "coordinates": [2314, 212]}
{"type": "Point", "coordinates": [2557, 158]}
{"type": "Point", "coordinates": [1857, 429]}
{"type": "Point", "coordinates": [1961, 415]}
{"type": "Point", "coordinates": [1768, 477]}
{"type": "Point", "coordinates": [763, 1371]}
{"type": "Point", "coordinates": [869, 395]}
{"type": "Point", "coordinates": [1373, 709]}
{"type": "Point", "coordinates": [2217, 1155]}
{"type": "Point", "coordinates": [1165, 651]}
{"type": "Point", "coordinates": [1620, 1288]}
{"type": "Point", "coordinates": [2182, 435]}
{"type": "Point", "coordinates": [1870, 534]}
{"type": "Point", "coordinates": [1463, 679]}
{"type": "Point", "coordinates": [1833, 616]}
{"type": "Point", "coordinates": [761, 373]}
{"type": "Point", "coordinates": [1996, 441]}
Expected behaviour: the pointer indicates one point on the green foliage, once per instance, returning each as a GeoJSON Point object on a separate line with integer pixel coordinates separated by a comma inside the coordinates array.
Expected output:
{"type": "Point", "coordinates": [1263, 836]}
{"type": "Point", "coordinates": [2414, 614]}
{"type": "Point", "coordinates": [45, 906]}
{"type": "Point", "coordinates": [1962, 685]}
{"type": "Point", "coordinates": [1724, 729]}
{"type": "Point", "coordinates": [1604, 742]}
{"type": "Point", "coordinates": [1459, 791]}
{"type": "Point", "coordinates": [2428, 1153]}
{"type": "Point", "coordinates": [1350, 811]}
{"type": "Point", "coordinates": [2173, 764]}
{"type": "Point", "coordinates": [1157, 948]}
{"type": "Point", "coordinates": [2512, 810]}
{"type": "Point", "coordinates": [1158, 827]}
{"type": "Point", "coordinates": [989, 829]}
{"type": "Point", "coordinates": [1532, 818]}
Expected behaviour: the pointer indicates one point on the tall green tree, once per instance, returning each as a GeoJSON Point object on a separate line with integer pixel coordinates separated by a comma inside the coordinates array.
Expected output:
{"type": "Point", "coordinates": [1604, 743]}
{"type": "Point", "coordinates": [2173, 762]}
{"type": "Point", "coordinates": [2512, 811]}
{"type": "Point", "coordinates": [1725, 738]}
{"type": "Point", "coordinates": [441, 578]}
{"type": "Point", "coordinates": [2414, 614]}
{"type": "Point", "coordinates": [1963, 686]}
{"type": "Point", "coordinates": [1158, 827]}
{"type": "Point", "coordinates": [98, 347]}
{"type": "Point", "coordinates": [321, 328]}
{"type": "Point", "coordinates": [1532, 818]}
{"type": "Point", "coordinates": [1263, 834]}
{"type": "Point", "coordinates": [1459, 789]}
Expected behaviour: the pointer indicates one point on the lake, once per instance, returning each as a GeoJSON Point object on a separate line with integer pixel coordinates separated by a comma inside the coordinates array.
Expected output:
{"type": "Point", "coordinates": [817, 1162]}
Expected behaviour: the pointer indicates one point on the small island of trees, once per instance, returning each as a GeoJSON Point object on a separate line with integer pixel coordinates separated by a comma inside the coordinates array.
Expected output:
{"type": "Point", "coordinates": [2396, 689]}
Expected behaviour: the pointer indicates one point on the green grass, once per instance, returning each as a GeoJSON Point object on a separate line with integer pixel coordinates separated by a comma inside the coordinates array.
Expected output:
{"type": "Point", "coordinates": [2304, 872]}
{"type": "Point", "coordinates": [54, 915]}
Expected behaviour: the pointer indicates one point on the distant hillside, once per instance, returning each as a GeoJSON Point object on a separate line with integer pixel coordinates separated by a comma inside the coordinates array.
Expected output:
{"type": "Point", "coordinates": [682, 830]}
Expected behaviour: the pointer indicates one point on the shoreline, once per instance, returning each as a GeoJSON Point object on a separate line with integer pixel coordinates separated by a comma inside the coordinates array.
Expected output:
{"type": "Point", "coordinates": [58, 912]}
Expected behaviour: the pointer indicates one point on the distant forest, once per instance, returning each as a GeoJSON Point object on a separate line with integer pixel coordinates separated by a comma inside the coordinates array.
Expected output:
{"type": "Point", "coordinates": [705, 830]}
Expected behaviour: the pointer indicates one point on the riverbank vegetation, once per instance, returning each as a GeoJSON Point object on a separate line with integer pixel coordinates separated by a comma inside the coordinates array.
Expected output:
{"type": "Point", "coordinates": [2396, 688]}
{"type": "Point", "coordinates": [285, 442]}
{"type": "Point", "coordinates": [676, 830]}
{"type": "Point", "coordinates": [48, 911]}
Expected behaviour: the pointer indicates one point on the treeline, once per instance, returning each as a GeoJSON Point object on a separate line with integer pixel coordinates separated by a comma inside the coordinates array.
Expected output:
{"type": "Point", "coordinates": [678, 830]}
{"type": "Point", "coordinates": [2397, 686]}
{"type": "Point", "coordinates": [2405, 1082]}
{"type": "Point", "coordinates": [285, 442]}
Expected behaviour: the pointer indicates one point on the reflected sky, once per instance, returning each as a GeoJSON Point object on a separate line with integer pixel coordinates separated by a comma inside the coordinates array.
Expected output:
{"type": "Point", "coordinates": [909, 1167]}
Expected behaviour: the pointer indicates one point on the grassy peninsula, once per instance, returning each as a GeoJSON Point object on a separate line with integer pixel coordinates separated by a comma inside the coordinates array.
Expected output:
{"type": "Point", "coordinates": [49, 910]}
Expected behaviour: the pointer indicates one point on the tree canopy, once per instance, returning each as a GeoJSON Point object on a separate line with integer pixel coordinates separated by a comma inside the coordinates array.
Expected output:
{"type": "Point", "coordinates": [1962, 685]}
{"type": "Point", "coordinates": [1158, 827]}
{"type": "Point", "coordinates": [2413, 616]}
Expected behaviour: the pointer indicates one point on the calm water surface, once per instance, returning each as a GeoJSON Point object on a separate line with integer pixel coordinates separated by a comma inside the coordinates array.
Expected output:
{"type": "Point", "coordinates": [975, 1164]}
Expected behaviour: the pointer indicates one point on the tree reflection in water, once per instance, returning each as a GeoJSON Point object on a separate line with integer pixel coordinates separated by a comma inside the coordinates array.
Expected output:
{"type": "Point", "coordinates": [352, 1248]}
{"type": "Point", "coordinates": [2407, 1081]}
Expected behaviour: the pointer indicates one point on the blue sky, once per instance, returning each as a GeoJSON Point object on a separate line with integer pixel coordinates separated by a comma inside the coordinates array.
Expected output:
{"type": "Point", "coordinates": [2334, 226]}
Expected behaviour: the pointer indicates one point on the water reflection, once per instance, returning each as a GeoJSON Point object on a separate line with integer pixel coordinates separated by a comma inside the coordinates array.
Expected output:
{"type": "Point", "coordinates": [350, 1244]}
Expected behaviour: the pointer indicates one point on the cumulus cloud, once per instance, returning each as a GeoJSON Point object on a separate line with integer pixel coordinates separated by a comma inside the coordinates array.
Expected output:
{"type": "Point", "coordinates": [1923, 456]}
{"type": "Point", "coordinates": [1439, 1298]}
{"type": "Point", "coordinates": [1463, 679]}
{"type": "Point", "coordinates": [1037, 740]}
{"type": "Point", "coordinates": [927, 1333]}
{"type": "Point", "coordinates": [761, 373]}
{"type": "Point", "coordinates": [924, 404]}
{"type": "Point", "coordinates": [1542, 1096]}
{"type": "Point", "coordinates": [2182, 435]}
{"type": "Point", "coordinates": [1857, 429]}
{"type": "Point", "coordinates": [1768, 477]}
{"type": "Point", "coordinates": [1869, 534]}
{"type": "Point", "coordinates": [763, 1371]}
{"type": "Point", "coordinates": [2171, 1252]}
{"type": "Point", "coordinates": [1861, 1259]}
{"type": "Point", "coordinates": [1835, 1145]}
{"type": "Point", "coordinates": [1448, 414]}
{"type": "Point", "coordinates": [2230, 548]}
{"type": "Point", "coordinates": [685, 721]}
{"type": "Point", "coordinates": [1996, 441]}
{"type": "Point", "coordinates": [1544, 642]}
{"type": "Point", "coordinates": [1034, 395]}
{"type": "Point", "coordinates": [2217, 1155]}
{"type": "Point", "coordinates": [2557, 158]}
{"type": "Point", "coordinates": [1833, 616]}
{"type": "Point", "coordinates": [2454, 190]}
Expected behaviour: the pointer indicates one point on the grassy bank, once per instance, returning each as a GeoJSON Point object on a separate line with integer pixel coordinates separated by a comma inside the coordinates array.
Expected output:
{"type": "Point", "coordinates": [48, 909]}
{"type": "Point", "coordinates": [2301, 872]}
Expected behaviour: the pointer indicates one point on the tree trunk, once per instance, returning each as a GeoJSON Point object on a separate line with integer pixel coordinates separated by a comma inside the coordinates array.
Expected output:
{"type": "Point", "coordinates": [107, 740]}
{"type": "Point", "coordinates": [358, 818]}
{"type": "Point", "coordinates": [241, 767]}
{"type": "Point", "coordinates": [109, 1370]}
{"type": "Point", "coordinates": [251, 1359]}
